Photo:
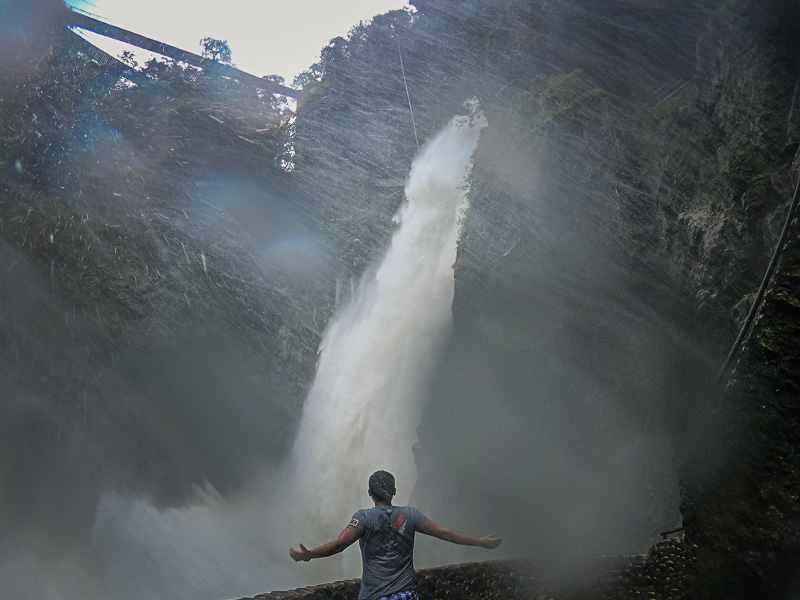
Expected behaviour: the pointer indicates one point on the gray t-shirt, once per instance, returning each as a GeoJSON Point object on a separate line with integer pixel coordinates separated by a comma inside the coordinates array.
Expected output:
{"type": "Point", "coordinates": [387, 548]}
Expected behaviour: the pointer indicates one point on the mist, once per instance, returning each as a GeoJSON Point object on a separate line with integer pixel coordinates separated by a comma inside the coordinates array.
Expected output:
{"type": "Point", "coordinates": [170, 510]}
{"type": "Point", "coordinates": [208, 342]}
{"type": "Point", "coordinates": [561, 436]}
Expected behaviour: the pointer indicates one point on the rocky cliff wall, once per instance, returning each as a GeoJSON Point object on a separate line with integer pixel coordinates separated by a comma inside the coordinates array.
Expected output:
{"type": "Point", "coordinates": [741, 495]}
{"type": "Point", "coordinates": [613, 244]}
{"type": "Point", "coordinates": [144, 291]}
{"type": "Point", "coordinates": [614, 236]}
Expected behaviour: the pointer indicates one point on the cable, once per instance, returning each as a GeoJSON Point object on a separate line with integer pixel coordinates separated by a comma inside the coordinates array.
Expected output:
{"type": "Point", "coordinates": [411, 110]}
{"type": "Point", "coordinates": [745, 330]}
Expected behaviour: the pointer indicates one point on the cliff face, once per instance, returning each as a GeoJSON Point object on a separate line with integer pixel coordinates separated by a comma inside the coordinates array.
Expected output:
{"type": "Point", "coordinates": [149, 328]}
{"type": "Point", "coordinates": [613, 244]}
{"type": "Point", "coordinates": [617, 229]}
{"type": "Point", "coordinates": [740, 495]}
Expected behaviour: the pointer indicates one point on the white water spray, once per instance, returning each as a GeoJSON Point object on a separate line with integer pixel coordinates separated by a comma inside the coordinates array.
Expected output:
{"type": "Point", "coordinates": [365, 404]}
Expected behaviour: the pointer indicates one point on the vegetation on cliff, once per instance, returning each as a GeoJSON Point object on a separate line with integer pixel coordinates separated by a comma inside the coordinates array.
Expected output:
{"type": "Point", "coordinates": [136, 289]}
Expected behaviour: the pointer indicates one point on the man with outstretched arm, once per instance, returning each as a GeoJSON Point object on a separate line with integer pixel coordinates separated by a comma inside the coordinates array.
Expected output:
{"type": "Point", "coordinates": [386, 536]}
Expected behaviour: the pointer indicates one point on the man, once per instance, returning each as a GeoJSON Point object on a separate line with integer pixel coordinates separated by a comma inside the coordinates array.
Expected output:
{"type": "Point", "coordinates": [386, 536]}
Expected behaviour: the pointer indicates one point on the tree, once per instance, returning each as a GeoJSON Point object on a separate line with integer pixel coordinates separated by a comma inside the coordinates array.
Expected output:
{"type": "Point", "coordinates": [310, 76]}
{"type": "Point", "coordinates": [216, 49]}
{"type": "Point", "coordinates": [128, 58]}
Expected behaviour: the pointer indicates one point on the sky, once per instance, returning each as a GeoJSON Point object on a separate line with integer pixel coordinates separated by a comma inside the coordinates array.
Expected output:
{"type": "Point", "coordinates": [266, 37]}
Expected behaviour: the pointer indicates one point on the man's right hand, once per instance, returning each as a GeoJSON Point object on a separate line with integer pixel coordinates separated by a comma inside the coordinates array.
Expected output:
{"type": "Point", "coordinates": [490, 542]}
{"type": "Point", "coordinates": [304, 554]}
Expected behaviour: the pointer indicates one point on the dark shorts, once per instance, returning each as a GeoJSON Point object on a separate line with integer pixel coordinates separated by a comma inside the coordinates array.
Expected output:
{"type": "Point", "coordinates": [407, 595]}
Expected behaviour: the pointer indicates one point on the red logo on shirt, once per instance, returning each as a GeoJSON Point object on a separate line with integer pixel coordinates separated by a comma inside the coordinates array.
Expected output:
{"type": "Point", "coordinates": [400, 524]}
{"type": "Point", "coordinates": [353, 522]}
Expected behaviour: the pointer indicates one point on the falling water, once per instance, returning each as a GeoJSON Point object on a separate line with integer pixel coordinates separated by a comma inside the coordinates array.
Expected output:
{"type": "Point", "coordinates": [376, 358]}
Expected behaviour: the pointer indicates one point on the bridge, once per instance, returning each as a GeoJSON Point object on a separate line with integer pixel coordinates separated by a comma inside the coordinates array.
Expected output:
{"type": "Point", "coordinates": [77, 19]}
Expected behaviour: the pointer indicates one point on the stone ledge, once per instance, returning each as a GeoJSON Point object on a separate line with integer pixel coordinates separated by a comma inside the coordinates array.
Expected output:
{"type": "Point", "coordinates": [660, 575]}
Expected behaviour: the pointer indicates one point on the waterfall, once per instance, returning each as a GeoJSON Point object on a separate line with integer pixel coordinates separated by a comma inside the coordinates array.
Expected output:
{"type": "Point", "coordinates": [377, 355]}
